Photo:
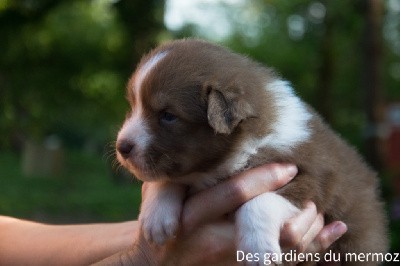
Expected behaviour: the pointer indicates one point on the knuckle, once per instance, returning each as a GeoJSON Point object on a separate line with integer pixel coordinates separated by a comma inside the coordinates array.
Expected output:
{"type": "Point", "coordinates": [324, 241]}
{"type": "Point", "coordinates": [293, 236]}
{"type": "Point", "coordinates": [237, 191]}
{"type": "Point", "coordinates": [273, 170]}
{"type": "Point", "coordinates": [313, 208]}
{"type": "Point", "coordinates": [276, 175]}
{"type": "Point", "coordinates": [320, 221]}
{"type": "Point", "coordinates": [313, 247]}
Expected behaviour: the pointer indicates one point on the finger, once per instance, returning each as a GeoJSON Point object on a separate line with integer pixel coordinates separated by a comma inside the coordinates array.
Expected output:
{"type": "Point", "coordinates": [227, 196]}
{"type": "Point", "coordinates": [329, 234]}
{"type": "Point", "coordinates": [294, 230]}
{"type": "Point", "coordinates": [309, 237]}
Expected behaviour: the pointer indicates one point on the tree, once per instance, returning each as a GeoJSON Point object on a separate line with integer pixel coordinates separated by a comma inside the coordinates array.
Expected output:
{"type": "Point", "coordinates": [373, 79]}
{"type": "Point", "coordinates": [64, 65]}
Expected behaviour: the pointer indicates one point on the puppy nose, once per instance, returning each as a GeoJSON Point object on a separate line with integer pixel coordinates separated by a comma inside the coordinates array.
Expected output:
{"type": "Point", "coordinates": [124, 147]}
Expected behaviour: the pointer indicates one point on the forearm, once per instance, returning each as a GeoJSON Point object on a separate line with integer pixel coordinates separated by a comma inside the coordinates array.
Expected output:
{"type": "Point", "coordinates": [24, 242]}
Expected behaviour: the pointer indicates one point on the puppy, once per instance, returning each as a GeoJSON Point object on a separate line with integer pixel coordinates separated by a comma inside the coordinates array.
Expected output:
{"type": "Point", "coordinates": [201, 114]}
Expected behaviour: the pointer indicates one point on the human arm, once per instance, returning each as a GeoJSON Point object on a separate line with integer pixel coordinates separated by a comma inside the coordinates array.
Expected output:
{"type": "Point", "coordinates": [30, 243]}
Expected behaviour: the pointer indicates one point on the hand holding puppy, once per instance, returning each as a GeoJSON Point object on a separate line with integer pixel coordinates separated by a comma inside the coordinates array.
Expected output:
{"type": "Point", "coordinates": [208, 238]}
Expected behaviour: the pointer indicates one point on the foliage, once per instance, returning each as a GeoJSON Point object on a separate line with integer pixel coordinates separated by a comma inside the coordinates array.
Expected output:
{"type": "Point", "coordinates": [64, 66]}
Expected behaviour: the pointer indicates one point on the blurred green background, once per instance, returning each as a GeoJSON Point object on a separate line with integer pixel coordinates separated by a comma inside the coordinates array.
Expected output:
{"type": "Point", "coordinates": [64, 65]}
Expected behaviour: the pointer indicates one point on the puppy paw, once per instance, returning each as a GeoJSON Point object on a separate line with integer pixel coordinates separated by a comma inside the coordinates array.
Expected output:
{"type": "Point", "coordinates": [159, 228]}
{"type": "Point", "coordinates": [160, 212]}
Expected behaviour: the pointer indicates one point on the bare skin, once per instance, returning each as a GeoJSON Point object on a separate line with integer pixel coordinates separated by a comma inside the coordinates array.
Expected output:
{"type": "Point", "coordinates": [206, 238]}
{"type": "Point", "coordinates": [29, 243]}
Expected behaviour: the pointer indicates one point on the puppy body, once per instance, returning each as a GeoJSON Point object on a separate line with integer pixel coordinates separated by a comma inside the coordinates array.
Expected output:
{"type": "Point", "coordinates": [201, 114]}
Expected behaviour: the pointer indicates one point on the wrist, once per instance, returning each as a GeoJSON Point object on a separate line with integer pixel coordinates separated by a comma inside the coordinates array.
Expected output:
{"type": "Point", "coordinates": [151, 254]}
{"type": "Point", "coordinates": [140, 253]}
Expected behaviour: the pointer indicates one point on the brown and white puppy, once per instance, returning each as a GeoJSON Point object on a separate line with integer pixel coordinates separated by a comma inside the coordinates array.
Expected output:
{"type": "Point", "coordinates": [201, 113]}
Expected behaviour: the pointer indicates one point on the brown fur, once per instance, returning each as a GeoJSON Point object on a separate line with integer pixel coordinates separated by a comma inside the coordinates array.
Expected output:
{"type": "Point", "coordinates": [219, 99]}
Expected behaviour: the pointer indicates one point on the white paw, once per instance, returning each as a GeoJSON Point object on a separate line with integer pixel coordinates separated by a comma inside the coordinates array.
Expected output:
{"type": "Point", "coordinates": [159, 226]}
{"type": "Point", "coordinates": [160, 212]}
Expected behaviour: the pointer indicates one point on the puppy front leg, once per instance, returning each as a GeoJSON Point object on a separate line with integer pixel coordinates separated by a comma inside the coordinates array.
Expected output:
{"type": "Point", "coordinates": [161, 210]}
{"type": "Point", "coordinates": [259, 222]}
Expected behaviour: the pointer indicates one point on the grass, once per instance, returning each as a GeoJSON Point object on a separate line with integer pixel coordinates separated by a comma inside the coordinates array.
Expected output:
{"type": "Point", "coordinates": [86, 192]}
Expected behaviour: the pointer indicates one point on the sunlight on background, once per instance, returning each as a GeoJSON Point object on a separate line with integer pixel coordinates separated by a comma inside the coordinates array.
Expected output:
{"type": "Point", "coordinates": [218, 20]}
{"type": "Point", "coordinates": [206, 14]}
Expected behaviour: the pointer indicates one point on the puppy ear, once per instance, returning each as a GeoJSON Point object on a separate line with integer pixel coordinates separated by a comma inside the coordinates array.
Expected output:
{"type": "Point", "coordinates": [226, 108]}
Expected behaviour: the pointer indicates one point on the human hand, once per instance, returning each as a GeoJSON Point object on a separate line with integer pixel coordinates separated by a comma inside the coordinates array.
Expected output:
{"type": "Point", "coordinates": [210, 207]}
{"type": "Point", "coordinates": [207, 238]}
{"type": "Point", "coordinates": [224, 198]}
{"type": "Point", "coordinates": [306, 231]}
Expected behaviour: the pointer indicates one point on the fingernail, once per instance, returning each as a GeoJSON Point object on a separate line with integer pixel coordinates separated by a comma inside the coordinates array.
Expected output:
{"type": "Point", "coordinates": [339, 229]}
{"type": "Point", "coordinates": [291, 170]}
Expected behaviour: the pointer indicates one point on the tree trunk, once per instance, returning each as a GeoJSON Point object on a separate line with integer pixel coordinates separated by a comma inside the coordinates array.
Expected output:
{"type": "Point", "coordinates": [372, 79]}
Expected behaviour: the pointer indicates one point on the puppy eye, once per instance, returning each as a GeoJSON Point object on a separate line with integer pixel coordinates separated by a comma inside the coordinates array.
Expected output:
{"type": "Point", "coordinates": [167, 117]}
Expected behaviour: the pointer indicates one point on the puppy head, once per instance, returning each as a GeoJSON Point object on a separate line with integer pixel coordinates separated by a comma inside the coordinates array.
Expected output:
{"type": "Point", "coordinates": [189, 100]}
